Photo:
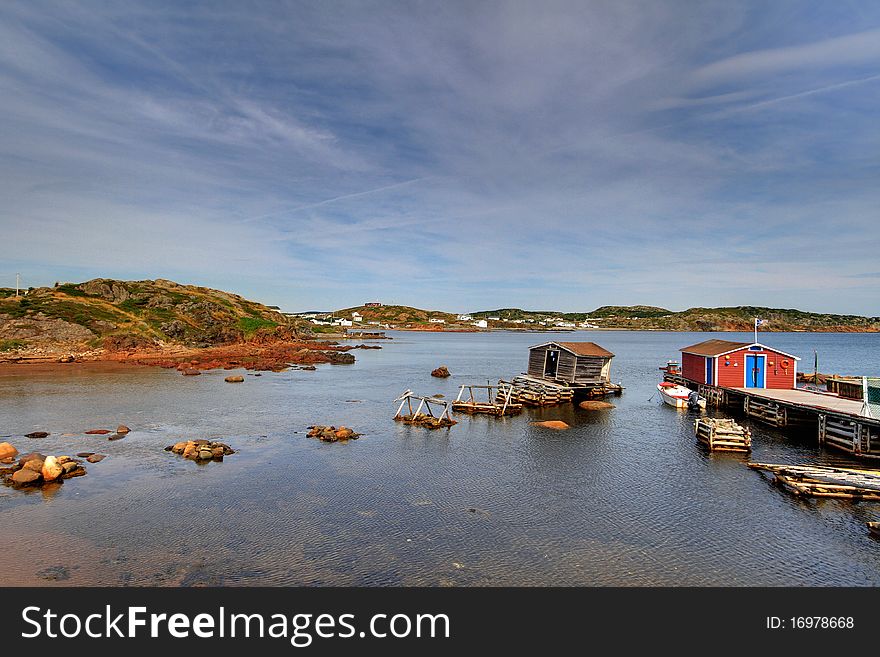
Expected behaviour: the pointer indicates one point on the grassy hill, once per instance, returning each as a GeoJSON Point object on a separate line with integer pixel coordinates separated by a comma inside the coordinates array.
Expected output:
{"type": "Point", "coordinates": [105, 312]}
{"type": "Point", "coordinates": [397, 315]}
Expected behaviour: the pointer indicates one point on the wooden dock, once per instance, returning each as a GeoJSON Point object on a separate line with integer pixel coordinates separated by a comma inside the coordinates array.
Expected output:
{"type": "Point", "coordinates": [532, 391]}
{"type": "Point", "coordinates": [837, 421]}
{"type": "Point", "coordinates": [428, 419]}
{"type": "Point", "coordinates": [722, 435]}
{"type": "Point", "coordinates": [488, 399]}
{"type": "Point", "coordinates": [825, 481]}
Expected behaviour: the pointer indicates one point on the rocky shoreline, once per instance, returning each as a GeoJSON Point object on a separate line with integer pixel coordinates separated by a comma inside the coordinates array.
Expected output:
{"type": "Point", "coordinates": [274, 356]}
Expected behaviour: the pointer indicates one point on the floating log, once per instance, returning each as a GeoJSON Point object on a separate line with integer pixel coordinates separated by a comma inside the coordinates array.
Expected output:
{"type": "Point", "coordinates": [723, 435]}
{"type": "Point", "coordinates": [825, 481]}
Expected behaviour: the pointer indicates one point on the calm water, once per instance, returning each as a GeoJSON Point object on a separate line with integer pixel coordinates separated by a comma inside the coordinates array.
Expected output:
{"type": "Point", "coordinates": [625, 497]}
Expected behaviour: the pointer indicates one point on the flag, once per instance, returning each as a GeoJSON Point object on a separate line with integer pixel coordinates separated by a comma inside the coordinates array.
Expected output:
{"type": "Point", "coordinates": [758, 322]}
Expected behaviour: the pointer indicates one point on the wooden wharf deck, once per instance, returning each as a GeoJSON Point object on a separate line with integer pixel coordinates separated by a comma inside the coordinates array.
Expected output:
{"type": "Point", "coordinates": [837, 421]}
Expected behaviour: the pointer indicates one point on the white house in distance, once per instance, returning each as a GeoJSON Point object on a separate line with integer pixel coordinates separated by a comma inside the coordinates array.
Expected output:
{"type": "Point", "coordinates": [481, 323]}
{"type": "Point", "coordinates": [437, 320]}
{"type": "Point", "coordinates": [357, 317]}
{"type": "Point", "coordinates": [464, 318]}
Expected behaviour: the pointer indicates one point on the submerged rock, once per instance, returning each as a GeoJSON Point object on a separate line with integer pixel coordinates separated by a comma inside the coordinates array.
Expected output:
{"type": "Point", "coordinates": [594, 405]}
{"type": "Point", "coordinates": [95, 458]}
{"type": "Point", "coordinates": [426, 421]}
{"type": "Point", "coordinates": [98, 432]}
{"type": "Point", "coordinates": [122, 429]}
{"type": "Point", "coordinates": [191, 372]}
{"type": "Point", "coordinates": [36, 434]}
{"type": "Point", "coordinates": [441, 372]}
{"type": "Point", "coordinates": [234, 379]}
{"type": "Point", "coordinates": [558, 425]}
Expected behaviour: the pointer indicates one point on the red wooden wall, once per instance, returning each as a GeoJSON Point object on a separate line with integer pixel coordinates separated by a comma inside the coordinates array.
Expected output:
{"type": "Point", "coordinates": [693, 368]}
{"type": "Point", "coordinates": [776, 376]}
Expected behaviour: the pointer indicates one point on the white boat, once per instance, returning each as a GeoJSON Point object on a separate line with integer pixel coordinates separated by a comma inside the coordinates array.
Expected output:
{"type": "Point", "coordinates": [680, 397]}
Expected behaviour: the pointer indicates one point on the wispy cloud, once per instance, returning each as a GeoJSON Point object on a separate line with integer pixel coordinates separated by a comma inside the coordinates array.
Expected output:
{"type": "Point", "coordinates": [565, 154]}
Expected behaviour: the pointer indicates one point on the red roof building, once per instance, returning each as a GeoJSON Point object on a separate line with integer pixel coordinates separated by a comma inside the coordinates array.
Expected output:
{"type": "Point", "coordinates": [739, 365]}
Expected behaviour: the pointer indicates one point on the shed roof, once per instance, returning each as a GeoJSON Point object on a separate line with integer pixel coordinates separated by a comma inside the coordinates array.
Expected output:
{"type": "Point", "coordinates": [580, 348]}
{"type": "Point", "coordinates": [714, 348]}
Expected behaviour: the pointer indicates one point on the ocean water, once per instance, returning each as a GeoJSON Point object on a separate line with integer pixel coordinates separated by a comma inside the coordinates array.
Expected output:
{"type": "Point", "coordinates": [624, 497]}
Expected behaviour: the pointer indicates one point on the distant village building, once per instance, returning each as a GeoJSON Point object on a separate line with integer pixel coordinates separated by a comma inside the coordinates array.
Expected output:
{"type": "Point", "coordinates": [356, 316]}
{"type": "Point", "coordinates": [373, 304]}
{"type": "Point", "coordinates": [481, 323]}
{"type": "Point", "coordinates": [494, 319]}
{"type": "Point", "coordinates": [739, 365]}
{"type": "Point", "coordinates": [437, 320]}
{"type": "Point", "coordinates": [464, 318]}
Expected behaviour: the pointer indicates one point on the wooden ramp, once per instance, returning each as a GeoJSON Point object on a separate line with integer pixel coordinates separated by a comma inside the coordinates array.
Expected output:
{"type": "Point", "coordinates": [825, 481]}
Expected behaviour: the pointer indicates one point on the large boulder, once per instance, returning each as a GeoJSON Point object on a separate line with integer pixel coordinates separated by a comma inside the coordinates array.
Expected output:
{"type": "Point", "coordinates": [441, 372]}
{"type": "Point", "coordinates": [36, 434]}
{"type": "Point", "coordinates": [234, 379]}
{"type": "Point", "coordinates": [7, 451]}
{"type": "Point", "coordinates": [51, 469]}
{"type": "Point", "coordinates": [122, 429]}
{"type": "Point", "coordinates": [26, 477]}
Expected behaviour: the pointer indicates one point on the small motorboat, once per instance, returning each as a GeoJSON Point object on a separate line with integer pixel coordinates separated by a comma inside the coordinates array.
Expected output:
{"type": "Point", "coordinates": [681, 397]}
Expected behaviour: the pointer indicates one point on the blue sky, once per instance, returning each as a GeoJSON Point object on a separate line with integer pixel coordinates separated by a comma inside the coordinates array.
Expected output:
{"type": "Point", "coordinates": [450, 155]}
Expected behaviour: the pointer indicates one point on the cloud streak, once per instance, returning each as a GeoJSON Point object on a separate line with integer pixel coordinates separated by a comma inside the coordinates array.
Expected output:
{"type": "Point", "coordinates": [563, 155]}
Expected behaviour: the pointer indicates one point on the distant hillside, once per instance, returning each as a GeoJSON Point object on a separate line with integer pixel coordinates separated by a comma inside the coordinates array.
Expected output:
{"type": "Point", "coordinates": [740, 318]}
{"type": "Point", "coordinates": [128, 314]}
{"type": "Point", "coordinates": [397, 315]}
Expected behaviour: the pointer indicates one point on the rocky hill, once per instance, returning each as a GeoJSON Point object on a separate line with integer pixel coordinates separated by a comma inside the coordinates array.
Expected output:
{"type": "Point", "coordinates": [396, 315]}
{"type": "Point", "coordinates": [112, 314]}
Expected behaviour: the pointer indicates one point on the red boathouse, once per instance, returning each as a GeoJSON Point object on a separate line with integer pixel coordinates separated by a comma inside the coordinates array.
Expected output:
{"type": "Point", "coordinates": [739, 365]}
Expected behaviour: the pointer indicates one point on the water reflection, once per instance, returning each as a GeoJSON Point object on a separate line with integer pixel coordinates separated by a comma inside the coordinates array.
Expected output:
{"type": "Point", "coordinates": [625, 496]}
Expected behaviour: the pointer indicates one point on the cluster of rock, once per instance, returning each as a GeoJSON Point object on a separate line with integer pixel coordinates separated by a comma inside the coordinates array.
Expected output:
{"type": "Point", "coordinates": [426, 421]}
{"type": "Point", "coordinates": [201, 450]}
{"type": "Point", "coordinates": [332, 434]}
{"type": "Point", "coordinates": [35, 469]}
{"type": "Point", "coordinates": [441, 372]}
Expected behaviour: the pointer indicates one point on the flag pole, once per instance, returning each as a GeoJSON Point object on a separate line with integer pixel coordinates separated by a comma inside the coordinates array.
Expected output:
{"type": "Point", "coordinates": [756, 330]}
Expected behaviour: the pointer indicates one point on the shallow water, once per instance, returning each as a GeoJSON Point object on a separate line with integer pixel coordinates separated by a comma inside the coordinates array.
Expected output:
{"type": "Point", "coordinates": [625, 497]}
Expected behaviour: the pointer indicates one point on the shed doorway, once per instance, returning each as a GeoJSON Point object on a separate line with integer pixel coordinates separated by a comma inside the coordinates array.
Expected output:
{"type": "Point", "coordinates": [551, 363]}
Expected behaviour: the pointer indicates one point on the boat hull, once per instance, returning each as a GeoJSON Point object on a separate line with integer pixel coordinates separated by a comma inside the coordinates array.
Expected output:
{"type": "Point", "coordinates": [677, 396]}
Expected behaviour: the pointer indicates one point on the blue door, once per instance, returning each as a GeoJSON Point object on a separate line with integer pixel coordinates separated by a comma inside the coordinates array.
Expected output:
{"type": "Point", "coordinates": [710, 367]}
{"type": "Point", "coordinates": [755, 371]}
